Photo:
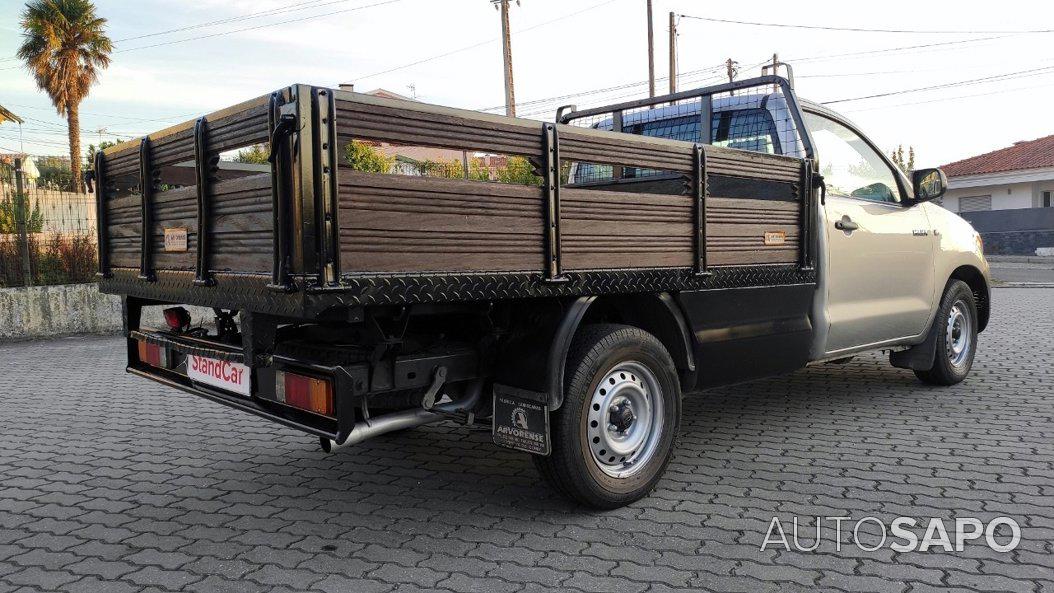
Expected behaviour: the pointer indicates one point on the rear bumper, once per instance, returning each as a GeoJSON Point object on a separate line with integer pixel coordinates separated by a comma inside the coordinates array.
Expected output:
{"type": "Point", "coordinates": [262, 401]}
{"type": "Point", "coordinates": [253, 405]}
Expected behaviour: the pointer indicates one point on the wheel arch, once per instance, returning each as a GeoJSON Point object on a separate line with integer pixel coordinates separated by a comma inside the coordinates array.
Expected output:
{"type": "Point", "coordinates": [656, 313]}
{"type": "Point", "coordinates": [535, 356]}
{"type": "Point", "coordinates": [981, 292]}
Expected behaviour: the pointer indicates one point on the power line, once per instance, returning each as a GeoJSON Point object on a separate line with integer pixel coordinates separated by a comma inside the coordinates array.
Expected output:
{"type": "Point", "coordinates": [955, 98]}
{"type": "Point", "coordinates": [923, 46]}
{"type": "Point", "coordinates": [238, 18]}
{"type": "Point", "coordinates": [255, 27]}
{"type": "Point", "coordinates": [481, 43]}
{"type": "Point", "coordinates": [868, 30]}
{"type": "Point", "coordinates": [245, 17]}
{"type": "Point", "coordinates": [994, 78]}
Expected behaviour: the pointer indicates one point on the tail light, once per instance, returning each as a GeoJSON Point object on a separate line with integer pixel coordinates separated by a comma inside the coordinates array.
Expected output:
{"type": "Point", "coordinates": [177, 318]}
{"type": "Point", "coordinates": [303, 392]}
{"type": "Point", "coordinates": [153, 355]}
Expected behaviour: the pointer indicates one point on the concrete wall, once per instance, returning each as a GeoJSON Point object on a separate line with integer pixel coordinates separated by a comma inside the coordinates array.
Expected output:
{"type": "Point", "coordinates": [44, 311]}
{"type": "Point", "coordinates": [1014, 232]}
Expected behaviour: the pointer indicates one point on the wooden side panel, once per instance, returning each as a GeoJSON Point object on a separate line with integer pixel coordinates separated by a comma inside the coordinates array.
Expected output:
{"type": "Point", "coordinates": [735, 231]}
{"type": "Point", "coordinates": [394, 223]}
{"type": "Point", "coordinates": [396, 122]}
{"type": "Point", "coordinates": [609, 229]}
{"type": "Point", "coordinates": [124, 221]}
{"type": "Point", "coordinates": [242, 234]}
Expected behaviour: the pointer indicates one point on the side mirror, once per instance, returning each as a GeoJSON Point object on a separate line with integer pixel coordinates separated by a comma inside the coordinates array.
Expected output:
{"type": "Point", "coordinates": [929, 184]}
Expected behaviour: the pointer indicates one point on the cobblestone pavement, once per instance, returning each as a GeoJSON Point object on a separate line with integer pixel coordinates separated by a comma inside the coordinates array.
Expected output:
{"type": "Point", "coordinates": [110, 483]}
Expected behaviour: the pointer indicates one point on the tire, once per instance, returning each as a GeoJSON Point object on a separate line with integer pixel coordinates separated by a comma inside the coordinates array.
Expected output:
{"type": "Point", "coordinates": [641, 421]}
{"type": "Point", "coordinates": [955, 328]}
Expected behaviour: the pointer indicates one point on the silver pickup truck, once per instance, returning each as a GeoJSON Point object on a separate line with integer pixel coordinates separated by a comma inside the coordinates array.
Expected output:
{"type": "Point", "coordinates": [644, 250]}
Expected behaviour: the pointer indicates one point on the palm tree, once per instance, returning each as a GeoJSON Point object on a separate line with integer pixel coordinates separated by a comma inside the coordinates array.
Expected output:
{"type": "Point", "coordinates": [65, 45]}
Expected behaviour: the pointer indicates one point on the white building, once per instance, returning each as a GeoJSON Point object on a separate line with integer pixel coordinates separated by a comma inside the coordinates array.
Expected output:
{"type": "Point", "coordinates": [1019, 176]}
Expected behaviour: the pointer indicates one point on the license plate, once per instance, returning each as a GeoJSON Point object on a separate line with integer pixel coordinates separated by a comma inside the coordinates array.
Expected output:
{"type": "Point", "coordinates": [229, 376]}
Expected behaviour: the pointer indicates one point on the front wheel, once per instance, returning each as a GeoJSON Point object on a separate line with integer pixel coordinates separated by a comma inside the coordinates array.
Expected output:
{"type": "Point", "coordinates": [614, 434]}
{"type": "Point", "coordinates": [955, 330]}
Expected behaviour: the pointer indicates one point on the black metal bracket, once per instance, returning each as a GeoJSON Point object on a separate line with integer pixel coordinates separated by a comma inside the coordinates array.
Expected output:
{"type": "Point", "coordinates": [203, 167]}
{"type": "Point", "coordinates": [146, 193]}
{"type": "Point", "coordinates": [700, 190]}
{"type": "Point", "coordinates": [102, 229]}
{"type": "Point", "coordinates": [280, 124]}
{"type": "Point", "coordinates": [551, 187]}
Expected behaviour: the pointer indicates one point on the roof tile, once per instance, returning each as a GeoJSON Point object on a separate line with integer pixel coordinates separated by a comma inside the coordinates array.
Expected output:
{"type": "Point", "coordinates": [1031, 154]}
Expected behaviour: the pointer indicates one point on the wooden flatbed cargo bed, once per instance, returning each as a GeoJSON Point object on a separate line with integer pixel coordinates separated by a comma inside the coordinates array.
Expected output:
{"type": "Point", "coordinates": [311, 232]}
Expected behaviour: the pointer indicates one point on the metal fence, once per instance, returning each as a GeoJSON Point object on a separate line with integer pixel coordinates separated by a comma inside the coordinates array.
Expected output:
{"type": "Point", "coordinates": [47, 231]}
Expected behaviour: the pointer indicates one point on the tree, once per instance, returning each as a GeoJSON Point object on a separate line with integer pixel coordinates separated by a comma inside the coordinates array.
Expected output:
{"type": "Point", "coordinates": [256, 154]}
{"type": "Point", "coordinates": [518, 170]}
{"type": "Point", "coordinates": [364, 157]}
{"type": "Point", "coordinates": [65, 46]}
{"type": "Point", "coordinates": [898, 158]}
{"type": "Point", "coordinates": [92, 149]}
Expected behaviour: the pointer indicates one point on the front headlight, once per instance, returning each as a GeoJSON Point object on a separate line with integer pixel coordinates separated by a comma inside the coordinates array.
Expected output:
{"type": "Point", "coordinates": [980, 243]}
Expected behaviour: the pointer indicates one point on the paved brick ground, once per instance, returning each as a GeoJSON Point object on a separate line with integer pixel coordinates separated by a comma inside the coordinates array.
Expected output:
{"type": "Point", "coordinates": [110, 483]}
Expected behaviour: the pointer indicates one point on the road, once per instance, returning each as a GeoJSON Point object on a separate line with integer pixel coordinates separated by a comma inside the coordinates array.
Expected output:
{"type": "Point", "coordinates": [111, 483]}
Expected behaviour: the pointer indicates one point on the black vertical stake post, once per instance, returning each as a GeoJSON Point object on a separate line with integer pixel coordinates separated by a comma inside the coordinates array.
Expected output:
{"type": "Point", "coordinates": [279, 195]}
{"type": "Point", "coordinates": [146, 191]}
{"type": "Point", "coordinates": [325, 171]}
{"type": "Point", "coordinates": [551, 146]}
{"type": "Point", "coordinates": [699, 193]}
{"type": "Point", "coordinates": [203, 165]}
{"type": "Point", "coordinates": [805, 240]}
{"type": "Point", "coordinates": [22, 212]}
{"type": "Point", "coordinates": [101, 228]}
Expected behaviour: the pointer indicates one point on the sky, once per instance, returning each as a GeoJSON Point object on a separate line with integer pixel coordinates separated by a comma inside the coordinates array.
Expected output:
{"type": "Point", "coordinates": [170, 64]}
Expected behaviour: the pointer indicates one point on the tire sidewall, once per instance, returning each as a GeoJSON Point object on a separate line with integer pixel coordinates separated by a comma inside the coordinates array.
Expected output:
{"type": "Point", "coordinates": [956, 291]}
{"type": "Point", "coordinates": [650, 353]}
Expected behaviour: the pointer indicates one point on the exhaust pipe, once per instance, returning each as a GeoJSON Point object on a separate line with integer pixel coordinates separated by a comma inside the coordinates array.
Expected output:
{"type": "Point", "coordinates": [367, 429]}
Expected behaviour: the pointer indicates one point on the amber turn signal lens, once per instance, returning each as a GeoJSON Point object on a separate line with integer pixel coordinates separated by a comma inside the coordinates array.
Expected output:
{"type": "Point", "coordinates": [306, 393]}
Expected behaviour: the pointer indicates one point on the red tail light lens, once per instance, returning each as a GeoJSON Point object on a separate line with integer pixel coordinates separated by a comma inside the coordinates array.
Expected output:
{"type": "Point", "coordinates": [177, 318]}
{"type": "Point", "coordinates": [303, 392]}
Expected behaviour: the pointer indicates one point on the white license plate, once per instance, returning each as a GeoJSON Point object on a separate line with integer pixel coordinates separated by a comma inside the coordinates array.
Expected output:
{"type": "Point", "coordinates": [230, 376]}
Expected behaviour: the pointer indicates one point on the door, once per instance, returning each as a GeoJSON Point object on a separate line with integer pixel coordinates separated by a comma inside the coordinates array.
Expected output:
{"type": "Point", "coordinates": [880, 250]}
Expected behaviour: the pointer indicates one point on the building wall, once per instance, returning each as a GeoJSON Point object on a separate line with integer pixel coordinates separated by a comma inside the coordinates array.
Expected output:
{"type": "Point", "coordinates": [1004, 197]}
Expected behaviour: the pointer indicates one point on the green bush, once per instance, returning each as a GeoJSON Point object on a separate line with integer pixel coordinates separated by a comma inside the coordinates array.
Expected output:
{"type": "Point", "coordinates": [14, 207]}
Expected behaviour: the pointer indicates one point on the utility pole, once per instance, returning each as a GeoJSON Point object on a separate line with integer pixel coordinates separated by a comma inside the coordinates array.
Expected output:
{"type": "Point", "coordinates": [673, 53]}
{"type": "Point", "coordinates": [732, 67]}
{"type": "Point", "coordinates": [506, 40]}
{"type": "Point", "coordinates": [651, 54]}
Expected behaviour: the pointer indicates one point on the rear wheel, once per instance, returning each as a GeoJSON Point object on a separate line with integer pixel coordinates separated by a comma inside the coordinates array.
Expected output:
{"type": "Point", "coordinates": [956, 336]}
{"type": "Point", "coordinates": [614, 434]}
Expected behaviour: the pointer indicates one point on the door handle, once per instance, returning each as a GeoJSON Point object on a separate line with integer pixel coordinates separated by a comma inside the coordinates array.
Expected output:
{"type": "Point", "coordinates": [846, 224]}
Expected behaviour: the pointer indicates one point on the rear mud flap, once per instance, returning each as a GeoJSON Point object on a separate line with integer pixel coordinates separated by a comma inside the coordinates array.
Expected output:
{"type": "Point", "coordinates": [521, 420]}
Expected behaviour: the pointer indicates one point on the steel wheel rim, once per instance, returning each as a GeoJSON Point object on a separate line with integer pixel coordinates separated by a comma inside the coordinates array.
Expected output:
{"type": "Point", "coordinates": [958, 332]}
{"type": "Point", "coordinates": [624, 420]}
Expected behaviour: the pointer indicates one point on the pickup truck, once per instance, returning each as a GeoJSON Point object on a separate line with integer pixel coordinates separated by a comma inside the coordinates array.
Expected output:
{"type": "Point", "coordinates": [652, 248]}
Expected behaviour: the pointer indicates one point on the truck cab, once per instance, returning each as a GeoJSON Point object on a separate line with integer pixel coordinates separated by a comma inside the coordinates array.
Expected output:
{"type": "Point", "coordinates": [885, 255]}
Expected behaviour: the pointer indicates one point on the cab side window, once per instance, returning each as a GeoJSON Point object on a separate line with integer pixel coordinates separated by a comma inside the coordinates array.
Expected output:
{"type": "Point", "coordinates": [850, 167]}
